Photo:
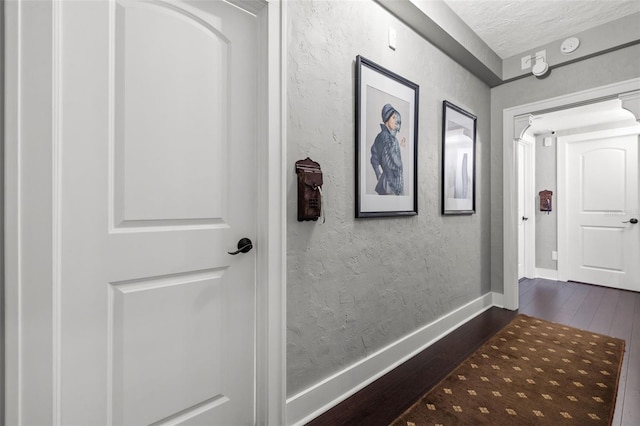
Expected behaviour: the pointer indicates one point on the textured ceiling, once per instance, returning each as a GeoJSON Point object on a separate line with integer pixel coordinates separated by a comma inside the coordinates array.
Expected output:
{"type": "Point", "coordinates": [512, 27]}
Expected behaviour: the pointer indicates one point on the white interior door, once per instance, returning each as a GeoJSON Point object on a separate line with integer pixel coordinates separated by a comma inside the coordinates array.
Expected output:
{"type": "Point", "coordinates": [521, 211]}
{"type": "Point", "coordinates": [154, 139]}
{"type": "Point", "coordinates": [526, 224]}
{"type": "Point", "coordinates": [602, 245]}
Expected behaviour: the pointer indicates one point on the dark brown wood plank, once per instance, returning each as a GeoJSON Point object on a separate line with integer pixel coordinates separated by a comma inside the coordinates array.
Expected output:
{"type": "Point", "coordinates": [526, 293]}
{"type": "Point", "coordinates": [549, 297]}
{"type": "Point", "coordinates": [571, 306]}
{"type": "Point", "coordinates": [603, 317]}
{"type": "Point", "coordinates": [523, 287]}
{"type": "Point", "coordinates": [582, 319]}
{"type": "Point", "coordinates": [621, 323]}
{"type": "Point", "coordinates": [530, 301]}
{"type": "Point", "coordinates": [555, 307]}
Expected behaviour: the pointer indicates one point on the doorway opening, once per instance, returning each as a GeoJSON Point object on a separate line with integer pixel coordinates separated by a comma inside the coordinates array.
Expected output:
{"type": "Point", "coordinates": [516, 122]}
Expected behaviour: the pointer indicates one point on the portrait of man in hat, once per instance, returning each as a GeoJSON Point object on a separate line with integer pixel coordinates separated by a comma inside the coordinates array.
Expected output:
{"type": "Point", "coordinates": [386, 157]}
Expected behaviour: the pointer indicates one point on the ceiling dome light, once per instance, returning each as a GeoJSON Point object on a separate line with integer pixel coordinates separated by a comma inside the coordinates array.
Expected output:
{"type": "Point", "coordinates": [540, 68]}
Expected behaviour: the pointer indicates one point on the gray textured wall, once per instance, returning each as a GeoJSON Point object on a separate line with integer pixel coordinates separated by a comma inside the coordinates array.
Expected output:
{"type": "Point", "coordinates": [598, 71]}
{"type": "Point", "coordinates": [546, 224]}
{"type": "Point", "coordinates": [355, 286]}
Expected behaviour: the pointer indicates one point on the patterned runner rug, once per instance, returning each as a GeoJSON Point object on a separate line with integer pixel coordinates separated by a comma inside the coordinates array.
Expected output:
{"type": "Point", "coordinates": [531, 372]}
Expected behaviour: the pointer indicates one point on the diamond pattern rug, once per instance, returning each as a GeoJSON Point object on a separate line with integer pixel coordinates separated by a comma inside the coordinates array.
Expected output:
{"type": "Point", "coordinates": [531, 372]}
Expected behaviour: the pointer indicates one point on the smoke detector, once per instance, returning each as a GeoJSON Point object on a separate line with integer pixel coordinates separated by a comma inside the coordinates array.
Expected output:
{"type": "Point", "coordinates": [569, 45]}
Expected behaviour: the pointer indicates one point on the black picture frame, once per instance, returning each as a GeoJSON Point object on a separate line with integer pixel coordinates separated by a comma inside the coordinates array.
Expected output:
{"type": "Point", "coordinates": [459, 128]}
{"type": "Point", "coordinates": [386, 166]}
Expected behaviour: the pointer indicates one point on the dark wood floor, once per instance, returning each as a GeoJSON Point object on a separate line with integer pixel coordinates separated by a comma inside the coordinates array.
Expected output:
{"type": "Point", "coordinates": [598, 309]}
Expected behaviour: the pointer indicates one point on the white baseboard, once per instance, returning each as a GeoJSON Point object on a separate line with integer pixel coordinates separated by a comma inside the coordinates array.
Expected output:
{"type": "Point", "coordinates": [547, 274]}
{"type": "Point", "coordinates": [317, 399]}
{"type": "Point", "coordinates": [497, 299]}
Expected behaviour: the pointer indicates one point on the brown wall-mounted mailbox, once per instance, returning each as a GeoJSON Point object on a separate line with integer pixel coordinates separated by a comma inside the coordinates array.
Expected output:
{"type": "Point", "coordinates": [309, 189]}
{"type": "Point", "coordinates": [546, 200]}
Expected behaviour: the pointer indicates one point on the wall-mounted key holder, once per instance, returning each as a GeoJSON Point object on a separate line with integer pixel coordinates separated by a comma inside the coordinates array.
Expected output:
{"type": "Point", "coordinates": [546, 201]}
{"type": "Point", "coordinates": [309, 189]}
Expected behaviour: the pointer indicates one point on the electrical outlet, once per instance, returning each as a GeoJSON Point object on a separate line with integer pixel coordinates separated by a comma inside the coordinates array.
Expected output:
{"type": "Point", "coordinates": [525, 62]}
{"type": "Point", "coordinates": [554, 255]}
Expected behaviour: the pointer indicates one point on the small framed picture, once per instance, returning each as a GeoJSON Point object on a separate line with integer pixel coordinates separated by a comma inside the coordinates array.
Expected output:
{"type": "Point", "coordinates": [386, 142]}
{"type": "Point", "coordinates": [458, 160]}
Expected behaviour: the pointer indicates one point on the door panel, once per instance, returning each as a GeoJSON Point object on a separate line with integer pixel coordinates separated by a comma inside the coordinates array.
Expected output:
{"type": "Point", "coordinates": [157, 128]}
{"type": "Point", "coordinates": [171, 114]}
{"type": "Point", "coordinates": [167, 331]}
{"type": "Point", "coordinates": [602, 193]}
{"type": "Point", "coordinates": [604, 175]}
{"type": "Point", "coordinates": [593, 256]}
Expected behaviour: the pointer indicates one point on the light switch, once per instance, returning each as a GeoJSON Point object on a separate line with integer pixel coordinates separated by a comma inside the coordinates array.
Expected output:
{"type": "Point", "coordinates": [392, 38]}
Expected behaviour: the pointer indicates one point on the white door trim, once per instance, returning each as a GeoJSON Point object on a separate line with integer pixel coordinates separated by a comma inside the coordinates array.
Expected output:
{"type": "Point", "coordinates": [561, 199]}
{"type": "Point", "coordinates": [11, 214]}
{"type": "Point", "coordinates": [509, 187]}
{"type": "Point", "coordinates": [271, 260]}
{"type": "Point", "coordinates": [36, 195]}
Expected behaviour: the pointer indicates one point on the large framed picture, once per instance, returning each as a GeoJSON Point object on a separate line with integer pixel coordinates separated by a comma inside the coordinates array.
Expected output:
{"type": "Point", "coordinates": [458, 160]}
{"type": "Point", "coordinates": [386, 142]}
